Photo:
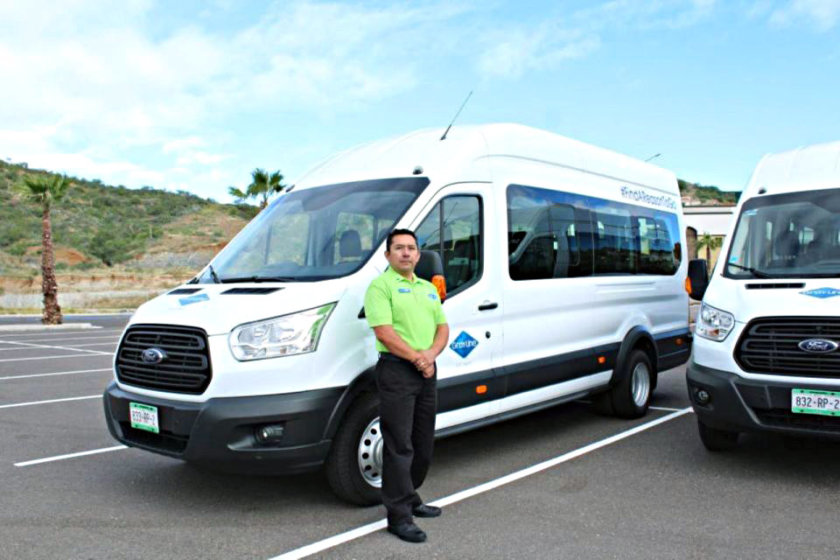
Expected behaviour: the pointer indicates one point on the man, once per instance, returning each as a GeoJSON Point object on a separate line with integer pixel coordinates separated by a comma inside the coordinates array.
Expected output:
{"type": "Point", "coordinates": [411, 331]}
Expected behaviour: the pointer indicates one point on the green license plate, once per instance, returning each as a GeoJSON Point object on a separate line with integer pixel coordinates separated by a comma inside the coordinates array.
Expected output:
{"type": "Point", "coordinates": [807, 401]}
{"type": "Point", "coordinates": [144, 417]}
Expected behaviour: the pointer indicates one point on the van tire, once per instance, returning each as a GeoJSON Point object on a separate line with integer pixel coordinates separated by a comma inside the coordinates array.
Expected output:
{"type": "Point", "coordinates": [630, 397]}
{"type": "Point", "coordinates": [342, 467]}
{"type": "Point", "coordinates": [717, 440]}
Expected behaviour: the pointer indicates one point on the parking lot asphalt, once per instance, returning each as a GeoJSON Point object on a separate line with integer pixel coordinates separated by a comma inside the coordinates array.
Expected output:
{"type": "Point", "coordinates": [611, 488]}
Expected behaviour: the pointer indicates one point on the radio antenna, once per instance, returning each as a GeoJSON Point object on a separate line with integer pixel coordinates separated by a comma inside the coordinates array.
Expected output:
{"type": "Point", "coordinates": [456, 116]}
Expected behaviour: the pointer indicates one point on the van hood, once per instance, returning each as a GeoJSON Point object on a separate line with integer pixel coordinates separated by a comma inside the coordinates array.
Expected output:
{"type": "Point", "coordinates": [747, 300]}
{"type": "Point", "coordinates": [218, 308]}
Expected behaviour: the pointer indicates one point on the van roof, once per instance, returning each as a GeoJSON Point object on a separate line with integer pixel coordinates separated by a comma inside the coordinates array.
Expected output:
{"type": "Point", "coordinates": [469, 153]}
{"type": "Point", "coordinates": [802, 169]}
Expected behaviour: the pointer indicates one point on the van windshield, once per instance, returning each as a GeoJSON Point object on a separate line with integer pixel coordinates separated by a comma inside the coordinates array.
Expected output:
{"type": "Point", "coordinates": [793, 235]}
{"type": "Point", "coordinates": [315, 233]}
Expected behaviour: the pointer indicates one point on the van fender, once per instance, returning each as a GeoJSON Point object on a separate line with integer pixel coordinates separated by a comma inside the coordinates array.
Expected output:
{"type": "Point", "coordinates": [637, 337]}
{"type": "Point", "coordinates": [364, 382]}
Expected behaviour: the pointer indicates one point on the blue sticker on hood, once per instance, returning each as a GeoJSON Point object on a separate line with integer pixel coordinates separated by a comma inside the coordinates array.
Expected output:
{"type": "Point", "coordinates": [193, 299]}
{"type": "Point", "coordinates": [822, 293]}
{"type": "Point", "coordinates": [463, 345]}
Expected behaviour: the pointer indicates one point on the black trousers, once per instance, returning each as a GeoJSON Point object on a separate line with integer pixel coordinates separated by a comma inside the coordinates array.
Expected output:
{"type": "Point", "coordinates": [408, 402]}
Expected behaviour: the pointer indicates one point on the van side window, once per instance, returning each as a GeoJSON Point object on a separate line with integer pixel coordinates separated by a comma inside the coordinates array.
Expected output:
{"type": "Point", "coordinates": [453, 229]}
{"type": "Point", "coordinates": [553, 234]}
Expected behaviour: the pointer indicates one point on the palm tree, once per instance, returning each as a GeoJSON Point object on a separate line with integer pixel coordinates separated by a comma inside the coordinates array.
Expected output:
{"type": "Point", "coordinates": [45, 190]}
{"type": "Point", "coordinates": [262, 186]}
{"type": "Point", "coordinates": [711, 243]}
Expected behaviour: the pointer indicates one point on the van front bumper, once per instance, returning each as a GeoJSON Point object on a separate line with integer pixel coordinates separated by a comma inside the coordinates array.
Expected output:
{"type": "Point", "coordinates": [742, 405]}
{"type": "Point", "coordinates": [221, 433]}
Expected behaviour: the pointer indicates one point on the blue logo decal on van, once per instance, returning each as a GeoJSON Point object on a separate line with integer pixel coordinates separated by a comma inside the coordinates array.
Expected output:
{"type": "Point", "coordinates": [404, 290]}
{"type": "Point", "coordinates": [822, 293]}
{"type": "Point", "coordinates": [464, 344]}
{"type": "Point", "coordinates": [193, 299]}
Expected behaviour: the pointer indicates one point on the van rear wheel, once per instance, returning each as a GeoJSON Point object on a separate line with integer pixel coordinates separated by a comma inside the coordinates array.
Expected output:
{"type": "Point", "coordinates": [630, 397]}
{"type": "Point", "coordinates": [354, 464]}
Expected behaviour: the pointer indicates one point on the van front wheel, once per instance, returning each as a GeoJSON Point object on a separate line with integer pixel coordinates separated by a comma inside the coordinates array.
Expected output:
{"type": "Point", "coordinates": [354, 464]}
{"type": "Point", "coordinates": [630, 397]}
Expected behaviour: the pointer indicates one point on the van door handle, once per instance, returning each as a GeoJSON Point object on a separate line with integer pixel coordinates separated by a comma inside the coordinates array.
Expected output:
{"type": "Point", "coordinates": [488, 306]}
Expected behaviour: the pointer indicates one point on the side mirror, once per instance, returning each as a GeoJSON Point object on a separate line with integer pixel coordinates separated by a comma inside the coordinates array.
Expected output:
{"type": "Point", "coordinates": [430, 268]}
{"type": "Point", "coordinates": [698, 278]}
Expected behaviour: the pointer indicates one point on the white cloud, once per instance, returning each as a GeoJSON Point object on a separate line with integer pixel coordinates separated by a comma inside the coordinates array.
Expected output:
{"type": "Point", "coordinates": [97, 85]}
{"type": "Point", "coordinates": [526, 49]}
{"type": "Point", "coordinates": [822, 14]}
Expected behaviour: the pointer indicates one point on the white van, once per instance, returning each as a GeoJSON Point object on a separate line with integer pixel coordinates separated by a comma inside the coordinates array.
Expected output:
{"type": "Point", "coordinates": [766, 352]}
{"type": "Point", "coordinates": [565, 279]}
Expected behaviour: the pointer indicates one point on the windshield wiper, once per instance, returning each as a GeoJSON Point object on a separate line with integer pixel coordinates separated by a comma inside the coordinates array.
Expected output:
{"type": "Point", "coordinates": [257, 279]}
{"type": "Point", "coordinates": [213, 275]}
{"type": "Point", "coordinates": [755, 272]}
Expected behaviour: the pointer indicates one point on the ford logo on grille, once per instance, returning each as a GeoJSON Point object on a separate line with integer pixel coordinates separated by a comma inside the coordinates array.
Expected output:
{"type": "Point", "coordinates": [156, 355]}
{"type": "Point", "coordinates": [818, 345]}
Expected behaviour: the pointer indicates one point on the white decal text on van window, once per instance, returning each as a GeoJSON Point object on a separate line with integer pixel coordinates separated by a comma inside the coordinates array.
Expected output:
{"type": "Point", "coordinates": [638, 195]}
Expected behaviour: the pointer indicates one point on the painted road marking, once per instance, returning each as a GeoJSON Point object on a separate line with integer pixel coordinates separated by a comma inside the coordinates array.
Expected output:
{"type": "Point", "coordinates": [81, 332]}
{"type": "Point", "coordinates": [83, 338]}
{"type": "Point", "coordinates": [69, 456]}
{"type": "Point", "coordinates": [364, 530]}
{"type": "Point", "coordinates": [30, 345]}
{"type": "Point", "coordinates": [96, 355]}
{"type": "Point", "coordinates": [33, 403]}
{"type": "Point", "coordinates": [54, 373]}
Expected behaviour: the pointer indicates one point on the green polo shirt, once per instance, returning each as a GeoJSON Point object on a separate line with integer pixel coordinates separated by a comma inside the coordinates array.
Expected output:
{"type": "Point", "coordinates": [412, 308]}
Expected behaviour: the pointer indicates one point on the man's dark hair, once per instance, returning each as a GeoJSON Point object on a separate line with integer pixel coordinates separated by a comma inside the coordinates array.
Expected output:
{"type": "Point", "coordinates": [396, 232]}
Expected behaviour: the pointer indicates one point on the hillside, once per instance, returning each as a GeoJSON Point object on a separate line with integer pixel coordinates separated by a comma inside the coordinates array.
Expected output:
{"type": "Point", "coordinates": [100, 226]}
{"type": "Point", "coordinates": [694, 194]}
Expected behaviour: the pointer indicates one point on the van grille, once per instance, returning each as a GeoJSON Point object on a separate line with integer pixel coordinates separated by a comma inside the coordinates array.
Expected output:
{"type": "Point", "coordinates": [184, 369]}
{"type": "Point", "coordinates": [771, 345]}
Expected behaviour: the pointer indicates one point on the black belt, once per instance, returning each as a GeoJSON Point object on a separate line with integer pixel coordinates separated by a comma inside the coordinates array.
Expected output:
{"type": "Point", "coordinates": [388, 357]}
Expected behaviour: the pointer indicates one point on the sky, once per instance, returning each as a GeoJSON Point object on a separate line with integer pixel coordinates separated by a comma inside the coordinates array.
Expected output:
{"type": "Point", "coordinates": [193, 95]}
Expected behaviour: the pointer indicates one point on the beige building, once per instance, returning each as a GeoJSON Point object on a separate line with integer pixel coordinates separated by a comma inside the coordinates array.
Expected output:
{"type": "Point", "coordinates": [699, 220]}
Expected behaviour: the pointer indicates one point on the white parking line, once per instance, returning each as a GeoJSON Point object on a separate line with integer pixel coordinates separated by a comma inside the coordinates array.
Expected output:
{"type": "Point", "coordinates": [69, 456]}
{"type": "Point", "coordinates": [64, 332]}
{"type": "Point", "coordinates": [359, 532]}
{"type": "Point", "coordinates": [53, 374]}
{"type": "Point", "coordinates": [96, 355]}
{"type": "Point", "coordinates": [49, 347]}
{"type": "Point", "coordinates": [33, 403]}
{"type": "Point", "coordinates": [83, 338]}
{"type": "Point", "coordinates": [95, 344]}
{"type": "Point", "coordinates": [665, 408]}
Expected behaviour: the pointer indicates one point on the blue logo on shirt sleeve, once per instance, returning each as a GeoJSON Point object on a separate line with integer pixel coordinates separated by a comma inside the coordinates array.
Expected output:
{"type": "Point", "coordinates": [432, 297]}
{"type": "Point", "coordinates": [464, 344]}
{"type": "Point", "coordinates": [404, 290]}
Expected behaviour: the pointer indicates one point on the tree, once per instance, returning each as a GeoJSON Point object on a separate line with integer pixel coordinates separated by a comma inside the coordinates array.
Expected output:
{"type": "Point", "coordinates": [262, 186]}
{"type": "Point", "coordinates": [711, 243]}
{"type": "Point", "coordinates": [45, 190]}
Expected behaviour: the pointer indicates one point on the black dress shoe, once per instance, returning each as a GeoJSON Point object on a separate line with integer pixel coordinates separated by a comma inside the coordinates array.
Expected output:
{"type": "Point", "coordinates": [425, 510]}
{"type": "Point", "coordinates": [408, 532]}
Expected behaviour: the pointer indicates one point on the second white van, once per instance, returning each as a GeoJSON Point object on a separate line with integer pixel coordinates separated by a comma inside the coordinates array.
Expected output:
{"type": "Point", "coordinates": [767, 352]}
{"type": "Point", "coordinates": [564, 276]}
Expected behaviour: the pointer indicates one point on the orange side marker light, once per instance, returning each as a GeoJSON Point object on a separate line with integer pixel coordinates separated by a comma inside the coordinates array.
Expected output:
{"type": "Point", "coordinates": [481, 389]}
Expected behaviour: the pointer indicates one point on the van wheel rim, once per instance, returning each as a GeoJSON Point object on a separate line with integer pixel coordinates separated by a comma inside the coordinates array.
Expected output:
{"type": "Point", "coordinates": [640, 384]}
{"type": "Point", "coordinates": [369, 454]}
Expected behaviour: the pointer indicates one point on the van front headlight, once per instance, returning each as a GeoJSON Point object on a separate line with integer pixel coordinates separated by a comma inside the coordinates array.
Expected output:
{"type": "Point", "coordinates": [297, 333]}
{"type": "Point", "coordinates": [713, 323]}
